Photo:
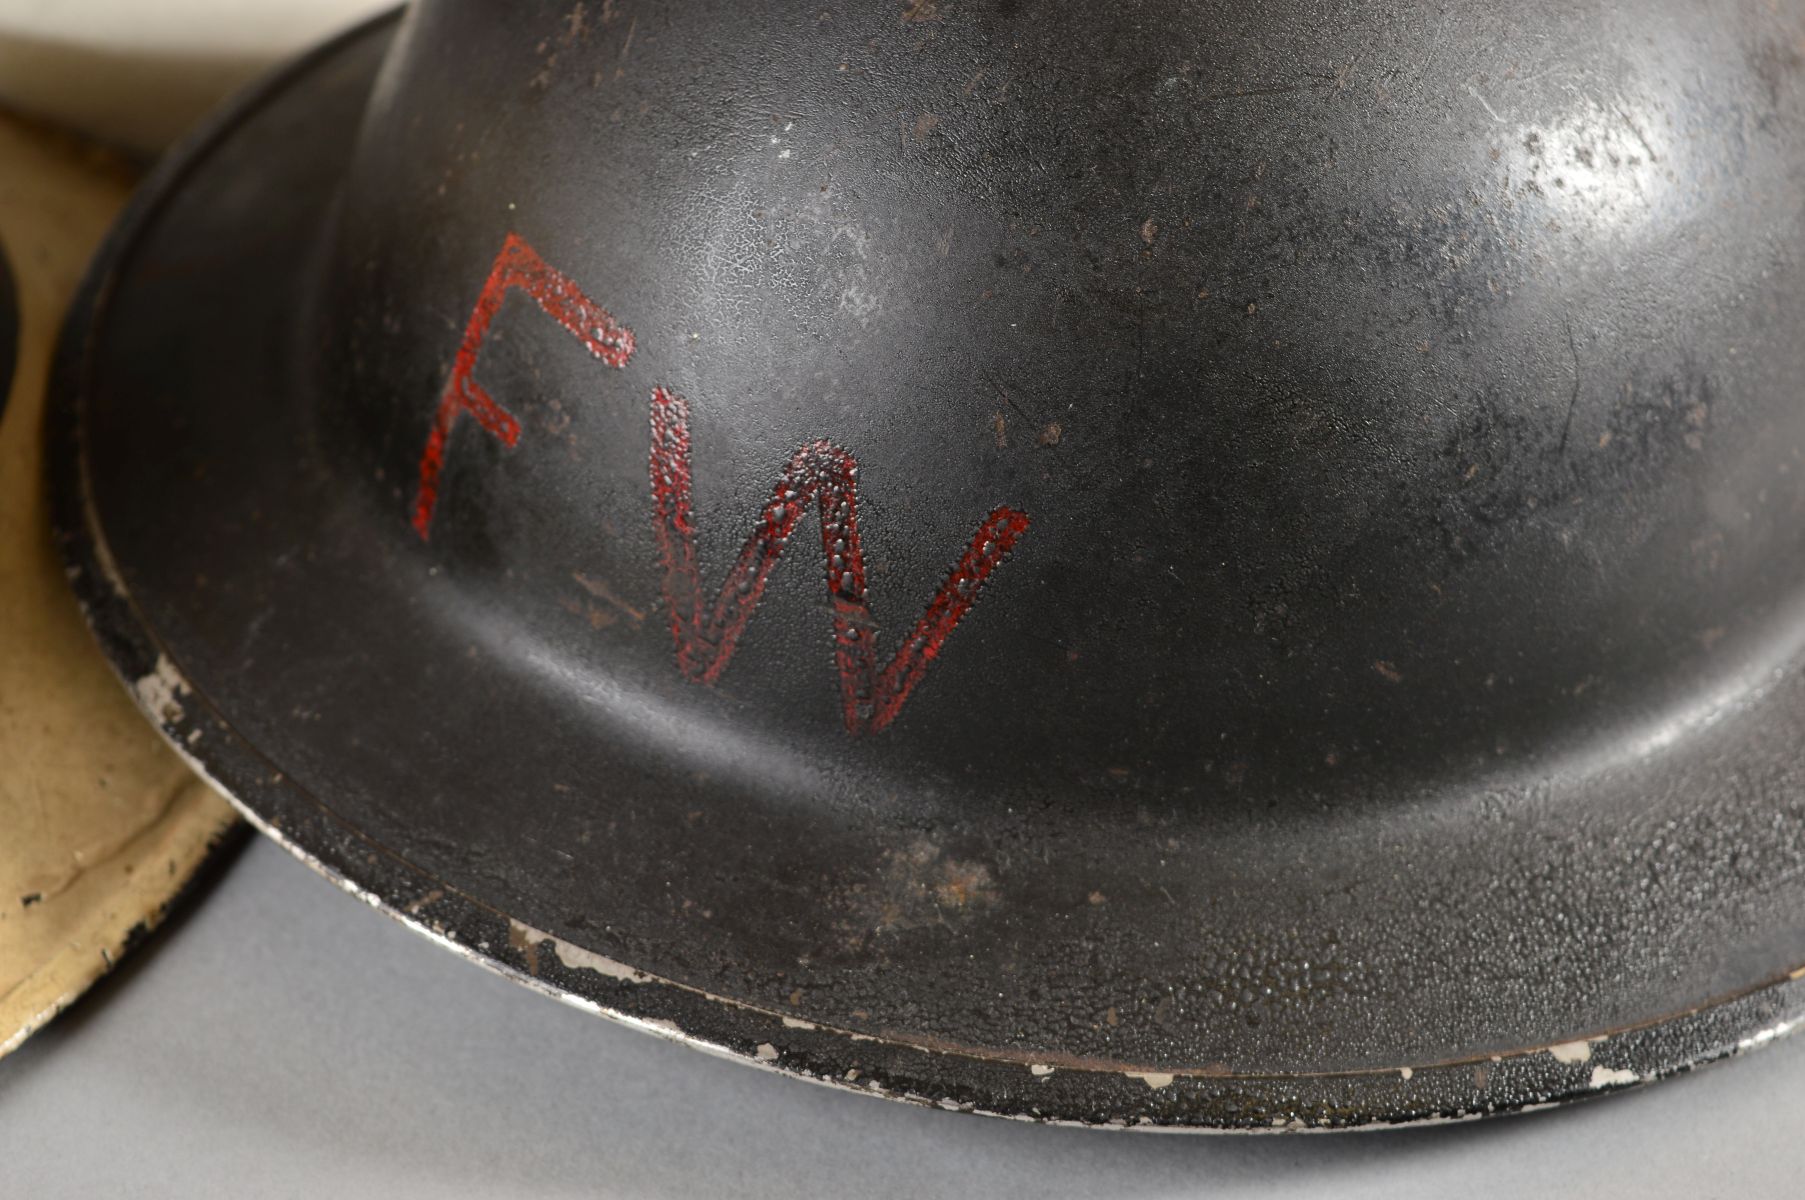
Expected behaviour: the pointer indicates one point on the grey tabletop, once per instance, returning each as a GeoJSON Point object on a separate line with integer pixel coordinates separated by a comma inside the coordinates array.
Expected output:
{"type": "Point", "coordinates": [281, 1039]}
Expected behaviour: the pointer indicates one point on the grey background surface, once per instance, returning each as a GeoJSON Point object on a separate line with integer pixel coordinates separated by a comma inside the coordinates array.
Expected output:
{"type": "Point", "coordinates": [281, 1039]}
{"type": "Point", "coordinates": [137, 72]}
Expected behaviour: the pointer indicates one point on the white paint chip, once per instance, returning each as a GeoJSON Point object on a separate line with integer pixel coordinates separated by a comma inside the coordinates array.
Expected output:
{"type": "Point", "coordinates": [797, 1023]}
{"type": "Point", "coordinates": [1603, 1077]}
{"type": "Point", "coordinates": [1572, 1052]}
{"type": "Point", "coordinates": [766, 1052]}
{"type": "Point", "coordinates": [1039, 1070]}
{"type": "Point", "coordinates": [1406, 1072]}
{"type": "Point", "coordinates": [159, 692]}
{"type": "Point", "coordinates": [575, 957]}
{"type": "Point", "coordinates": [1153, 1079]}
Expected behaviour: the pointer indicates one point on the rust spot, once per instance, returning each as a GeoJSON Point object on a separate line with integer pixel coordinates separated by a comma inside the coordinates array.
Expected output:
{"type": "Point", "coordinates": [962, 883]}
{"type": "Point", "coordinates": [522, 942]}
{"type": "Point", "coordinates": [1051, 434]}
{"type": "Point", "coordinates": [576, 26]}
{"type": "Point", "coordinates": [1388, 672]}
{"type": "Point", "coordinates": [918, 886]}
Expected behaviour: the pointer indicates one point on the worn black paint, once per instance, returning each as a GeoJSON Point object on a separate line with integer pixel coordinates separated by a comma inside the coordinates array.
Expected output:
{"type": "Point", "coordinates": [1400, 669]}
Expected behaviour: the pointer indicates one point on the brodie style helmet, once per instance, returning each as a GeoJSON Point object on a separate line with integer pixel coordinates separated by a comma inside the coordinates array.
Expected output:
{"type": "Point", "coordinates": [1184, 565]}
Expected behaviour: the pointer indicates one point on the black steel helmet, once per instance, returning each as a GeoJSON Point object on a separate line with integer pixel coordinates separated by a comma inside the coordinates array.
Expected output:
{"type": "Point", "coordinates": [1192, 563]}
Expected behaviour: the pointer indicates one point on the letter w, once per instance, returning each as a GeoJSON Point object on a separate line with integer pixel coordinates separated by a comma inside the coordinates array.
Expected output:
{"type": "Point", "coordinates": [707, 634]}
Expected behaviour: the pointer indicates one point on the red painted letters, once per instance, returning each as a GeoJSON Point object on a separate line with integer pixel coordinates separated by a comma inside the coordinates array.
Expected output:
{"type": "Point", "coordinates": [517, 266]}
{"type": "Point", "coordinates": [707, 634]}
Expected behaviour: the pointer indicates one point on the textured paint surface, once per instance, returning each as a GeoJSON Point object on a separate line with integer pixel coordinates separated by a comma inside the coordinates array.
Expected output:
{"type": "Point", "coordinates": [706, 634]}
{"type": "Point", "coordinates": [516, 266]}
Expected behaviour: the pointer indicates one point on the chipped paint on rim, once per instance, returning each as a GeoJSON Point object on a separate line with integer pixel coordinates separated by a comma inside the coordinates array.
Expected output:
{"type": "Point", "coordinates": [577, 958]}
{"type": "Point", "coordinates": [1574, 1053]}
{"type": "Point", "coordinates": [769, 1056]}
{"type": "Point", "coordinates": [159, 693]}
